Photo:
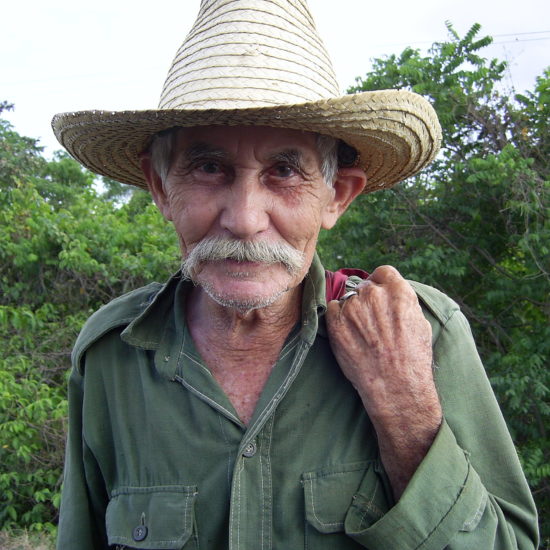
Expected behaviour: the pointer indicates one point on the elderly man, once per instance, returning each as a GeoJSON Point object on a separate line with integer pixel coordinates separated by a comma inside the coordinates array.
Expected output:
{"type": "Point", "coordinates": [239, 405]}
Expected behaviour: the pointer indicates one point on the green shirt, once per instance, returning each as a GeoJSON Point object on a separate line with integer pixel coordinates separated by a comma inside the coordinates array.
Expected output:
{"type": "Point", "coordinates": [158, 458]}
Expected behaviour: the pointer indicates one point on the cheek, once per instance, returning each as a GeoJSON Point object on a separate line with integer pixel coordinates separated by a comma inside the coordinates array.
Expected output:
{"type": "Point", "coordinates": [299, 225]}
{"type": "Point", "coordinates": [191, 218]}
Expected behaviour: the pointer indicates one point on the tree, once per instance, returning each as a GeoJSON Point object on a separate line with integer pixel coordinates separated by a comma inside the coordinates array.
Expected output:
{"type": "Point", "coordinates": [66, 248]}
{"type": "Point", "coordinates": [475, 224]}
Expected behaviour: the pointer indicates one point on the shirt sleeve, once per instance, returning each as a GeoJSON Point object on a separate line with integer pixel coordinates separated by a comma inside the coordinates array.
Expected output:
{"type": "Point", "coordinates": [469, 491]}
{"type": "Point", "coordinates": [83, 501]}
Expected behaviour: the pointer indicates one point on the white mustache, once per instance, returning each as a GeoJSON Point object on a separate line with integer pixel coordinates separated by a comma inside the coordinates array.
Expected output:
{"type": "Point", "coordinates": [219, 248]}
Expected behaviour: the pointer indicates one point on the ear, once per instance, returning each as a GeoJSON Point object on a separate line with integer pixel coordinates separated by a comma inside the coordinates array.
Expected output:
{"type": "Point", "coordinates": [349, 183]}
{"type": "Point", "coordinates": [155, 186]}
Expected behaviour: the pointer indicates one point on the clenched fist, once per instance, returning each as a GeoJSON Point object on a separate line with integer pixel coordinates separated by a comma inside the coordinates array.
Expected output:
{"type": "Point", "coordinates": [382, 342]}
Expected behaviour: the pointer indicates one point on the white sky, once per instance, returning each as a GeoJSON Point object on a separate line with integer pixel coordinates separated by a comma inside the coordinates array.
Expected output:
{"type": "Point", "coordinates": [65, 55]}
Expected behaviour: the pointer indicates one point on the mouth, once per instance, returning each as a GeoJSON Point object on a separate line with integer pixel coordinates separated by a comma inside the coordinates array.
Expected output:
{"type": "Point", "coordinates": [244, 270]}
{"type": "Point", "coordinates": [243, 263]}
{"type": "Point", "coordinates": [239, 268]}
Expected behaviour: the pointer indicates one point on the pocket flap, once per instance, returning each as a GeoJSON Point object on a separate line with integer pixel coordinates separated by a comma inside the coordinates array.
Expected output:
{"type": "Point", "coordinates": [151, 517]}
{"type": "Point", "coordinates": [329, 493]}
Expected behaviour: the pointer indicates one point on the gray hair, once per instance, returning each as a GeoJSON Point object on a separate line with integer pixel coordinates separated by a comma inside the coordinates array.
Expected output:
{"type": "Point", "coordinates": [212, 249]}
{"type": "Point", "coordinates": [162, 146]}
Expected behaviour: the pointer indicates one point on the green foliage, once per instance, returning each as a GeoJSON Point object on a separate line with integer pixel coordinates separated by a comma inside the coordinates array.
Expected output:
{"type": "Point", "coordinates": [19, 156]}
{"type": "Point", "coordinates": [65, 249]}
{"type": "Point", "coordinates": [476, 224]}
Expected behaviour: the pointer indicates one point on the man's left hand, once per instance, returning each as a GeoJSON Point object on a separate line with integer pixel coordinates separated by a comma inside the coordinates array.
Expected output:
{"type": "Point", "coordinates": [382, 342]}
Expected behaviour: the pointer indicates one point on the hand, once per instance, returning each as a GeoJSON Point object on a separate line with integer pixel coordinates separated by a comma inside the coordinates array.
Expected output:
{"type": "Point", "coordinates": [382, 342]}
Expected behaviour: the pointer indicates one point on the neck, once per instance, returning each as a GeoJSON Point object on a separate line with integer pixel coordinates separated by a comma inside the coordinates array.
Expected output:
{"type": "Point", "coordinates": [240, 348]}
{"type": "Point", "coordinates": [272, 323]}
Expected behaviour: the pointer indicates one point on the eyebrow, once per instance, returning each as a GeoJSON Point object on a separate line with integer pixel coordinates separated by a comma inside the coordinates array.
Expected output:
{"type": "Point", "coordinates": [198, 151]}
{"type": "Point", "coordinates": [294, 157]}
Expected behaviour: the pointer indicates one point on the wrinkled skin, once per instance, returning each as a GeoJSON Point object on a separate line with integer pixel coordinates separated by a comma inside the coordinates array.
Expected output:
{"type": "Point", "coordinates": [383, 344]}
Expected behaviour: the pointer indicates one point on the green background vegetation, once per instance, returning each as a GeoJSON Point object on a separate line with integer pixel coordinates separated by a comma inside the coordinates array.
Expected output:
{"type": "Point", "coordinates": [475, 225]}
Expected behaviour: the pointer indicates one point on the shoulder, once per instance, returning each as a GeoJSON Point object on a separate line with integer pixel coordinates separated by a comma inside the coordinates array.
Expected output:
{"type": "Point", "coordinates": [436, 302]}
{"type": "Point", "coordinates": [120, 312]}
{"type": "Point", "coordinates": [443, 313]}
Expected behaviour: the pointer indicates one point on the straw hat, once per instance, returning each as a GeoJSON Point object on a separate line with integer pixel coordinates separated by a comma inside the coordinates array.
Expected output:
{"type": "Point", "coordinates": [259, 62]}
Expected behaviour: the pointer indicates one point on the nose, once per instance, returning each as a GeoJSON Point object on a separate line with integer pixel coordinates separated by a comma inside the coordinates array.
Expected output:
{"type": "Point", "coordinates": [245, 211]}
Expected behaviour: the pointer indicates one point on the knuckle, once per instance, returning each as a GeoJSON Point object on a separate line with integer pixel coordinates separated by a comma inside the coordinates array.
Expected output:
{"type": "Point", "coordinates": [386, 272]}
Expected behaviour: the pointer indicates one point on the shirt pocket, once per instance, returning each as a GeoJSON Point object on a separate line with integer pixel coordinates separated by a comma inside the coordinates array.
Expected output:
{"type": "Point", "coordinates": [328, 496]}
{"type": "Point", "coordinates": [152, 517]}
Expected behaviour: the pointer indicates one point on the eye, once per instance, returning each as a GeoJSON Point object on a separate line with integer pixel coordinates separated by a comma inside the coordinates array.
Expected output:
{"type": "Point", "coordinates": [283, 171]}
{"type": "Point", "coordinates": [210, 167]}
{"type": "Point", "coordinates": [208, 171]}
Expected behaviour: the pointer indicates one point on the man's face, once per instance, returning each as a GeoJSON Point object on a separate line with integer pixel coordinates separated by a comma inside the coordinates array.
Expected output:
{"type": "Point", "coordinates": [253, 184]}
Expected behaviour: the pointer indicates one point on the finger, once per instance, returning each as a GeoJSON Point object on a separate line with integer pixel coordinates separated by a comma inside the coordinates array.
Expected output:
{"type": "Point", "coordinates": [364, 284]}
{"type": "Point", "coordinates": [333, 310]}
{"type": "Point", "coordinates": [352, 318]}
{"type": "Point", "coordinates": [385, 274]}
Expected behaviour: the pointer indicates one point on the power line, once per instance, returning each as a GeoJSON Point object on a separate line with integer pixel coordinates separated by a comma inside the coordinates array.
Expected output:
{"type": "Point", "coordinates": [522, 40]}
{"type": "Point", "coordinates": [522, 33]}
{"type": "Point", "coordinates": [421, 42]}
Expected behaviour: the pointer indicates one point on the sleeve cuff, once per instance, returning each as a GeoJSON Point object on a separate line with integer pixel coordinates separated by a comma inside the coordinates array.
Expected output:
{"type": "Point", "coordinates": [444, 496]}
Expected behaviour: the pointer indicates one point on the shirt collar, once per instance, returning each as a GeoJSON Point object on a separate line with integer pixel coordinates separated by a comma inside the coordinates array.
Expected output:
{"type": "Point", "coordinates": [164, 311]}
{"type": "Point", "coordinates": [314, 302]}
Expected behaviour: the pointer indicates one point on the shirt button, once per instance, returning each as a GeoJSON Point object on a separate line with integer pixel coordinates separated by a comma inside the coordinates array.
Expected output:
{"type": "Point", "coordinates": [139, 533]}
{"type": "Point", "coordinates": [250, 450]}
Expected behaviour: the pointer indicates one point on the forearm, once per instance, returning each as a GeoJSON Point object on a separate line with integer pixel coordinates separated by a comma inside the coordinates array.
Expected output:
{"type": "Point", "coordinates": [405, 428]}
{"type": "Point", "coordinates": [404, 442]}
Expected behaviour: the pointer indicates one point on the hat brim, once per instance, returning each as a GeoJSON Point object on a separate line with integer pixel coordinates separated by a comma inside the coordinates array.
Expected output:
{"type": "Point", "coordinates": [396, 132]}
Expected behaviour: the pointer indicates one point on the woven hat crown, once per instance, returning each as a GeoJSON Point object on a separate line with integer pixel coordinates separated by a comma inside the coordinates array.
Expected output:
{"type": "Point", "coordinates": [251, 53]}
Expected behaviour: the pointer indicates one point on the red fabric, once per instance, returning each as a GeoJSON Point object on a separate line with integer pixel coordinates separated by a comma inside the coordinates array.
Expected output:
{"type": "Point", "coordinates": [336, 281]}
